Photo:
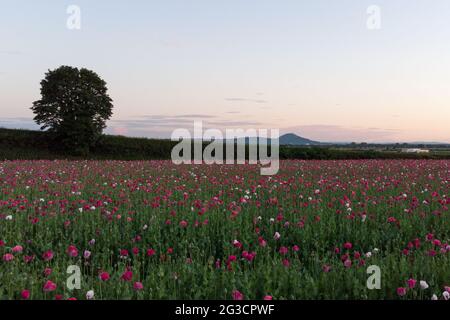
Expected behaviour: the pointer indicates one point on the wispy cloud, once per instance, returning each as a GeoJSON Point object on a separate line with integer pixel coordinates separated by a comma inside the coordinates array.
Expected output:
{"type": "Point", "coordinates": [11, 52]}
{"type": "Point", "coordinates": [179, 116]}
{"type": "Point", "coordinates": [162, 126]}
{"type": "Point", "coordinates": [245, 100]}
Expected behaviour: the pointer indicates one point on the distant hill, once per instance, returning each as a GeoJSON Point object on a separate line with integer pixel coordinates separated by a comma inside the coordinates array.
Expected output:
{"type": "Point", "coordinates": [292, 139]}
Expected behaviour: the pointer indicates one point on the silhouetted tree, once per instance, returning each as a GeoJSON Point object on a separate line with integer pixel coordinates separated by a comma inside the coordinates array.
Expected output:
{"type": "Point", "coordinates": [74, 106]}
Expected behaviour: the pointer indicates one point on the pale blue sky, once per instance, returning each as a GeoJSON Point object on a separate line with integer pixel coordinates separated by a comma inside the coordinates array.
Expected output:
{"type": "Point", "coordinates": [311, 67]}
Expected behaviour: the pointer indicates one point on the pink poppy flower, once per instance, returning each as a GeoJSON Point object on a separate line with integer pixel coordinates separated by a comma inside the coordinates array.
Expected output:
{"type": "Point", "coordinates": [104, 276]}
{"type": "Point", "coordinates": [392, 220]}
{"type": "Point", "coordinates": [25, 294]}
{"type": "Point", "coordinates": [262, 242]}
{"type": "Point", "coordinates": [47, 255]}
{"type": "Point", "coordinates": [8, 257]}
{"type": "Point", "coordinates": [183, 224]}
{"type": "Point", "coordinates": [86, 254]}
{"type": "Point", "coordinates": [17, 249]}
{"type": "Point", "coordinates": [49, 286]}
{"type": "Point", "coordinates": [47, 272]}
{"type": "Point", "coordinates": [72, 251]}
{"type": "Point", "coordinates": [401, 291]}
{"type": "Point", "coordinates": [411, 283]}
{"type": "Point", "coordinates": [237, 295]}
{"type": "Point", "coordinates": [348, 245]}
{"type": "Point", "coordinates": [28, 259]}
{"type": "Point", "coordinates": [127, 275]}
{"type": "Point", "coordinates": [348, 263]}
{"type": "Point", "coordinates": [138, 286]}
{"type": "Point", "coordinates": [249, 256]}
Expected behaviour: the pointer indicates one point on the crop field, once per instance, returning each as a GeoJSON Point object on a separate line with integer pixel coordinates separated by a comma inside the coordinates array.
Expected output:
{"type": "Point", "coordinates": [153, 230]}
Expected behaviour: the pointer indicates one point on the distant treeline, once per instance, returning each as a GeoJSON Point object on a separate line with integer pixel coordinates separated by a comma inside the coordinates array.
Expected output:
{"type": "Point", "coordinates": [27, 144]}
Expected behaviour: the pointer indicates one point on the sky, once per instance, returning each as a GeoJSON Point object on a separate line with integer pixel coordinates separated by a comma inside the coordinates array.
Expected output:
{"type": "Point", "coordinates": [314, 68]}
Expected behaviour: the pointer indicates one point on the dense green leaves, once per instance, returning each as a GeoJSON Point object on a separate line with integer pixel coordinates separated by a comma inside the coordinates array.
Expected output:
{"type": "Point", "coordinates": [74, 106]}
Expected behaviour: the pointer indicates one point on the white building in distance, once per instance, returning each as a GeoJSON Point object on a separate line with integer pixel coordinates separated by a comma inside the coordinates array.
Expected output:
{"type": "Point", "coordinates": [415, 150]}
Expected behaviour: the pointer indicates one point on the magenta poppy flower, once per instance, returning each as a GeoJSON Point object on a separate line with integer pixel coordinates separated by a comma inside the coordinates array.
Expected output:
{"type": "Point", "coordinates": [72, 251]}
{"type": "Point", "coordinates": [138, 286]}
{"type": "Point", "coordinates": [104, 276]}
{"type": "Point", "coordinates": [49, 286]}
{"type": "Point", "coordinates": [47, 255]}
{"type": "Point", "coordinates": [237, 295]}
{"type": "Point", "coordinates": [401, 291]}
{"type": "Point", "coordinates": [127, 275]}
{"type": "Point", "coordinates": [25, 294]}
{"type": "Point", "coordinates": [47, 272]}
{"type": "Point", "coordinates": [411, 283]}
{"type": "Point", "coordinates": [283, 250]}
{"type": "Point", "coordinates": [28, 259]}
{"type": "Point", "coordinates": [183, 224]}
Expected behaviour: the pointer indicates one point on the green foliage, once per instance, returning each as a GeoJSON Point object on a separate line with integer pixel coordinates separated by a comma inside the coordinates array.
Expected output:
{"type": "Point", "coordinates": [147, 194]}
{"type": "Point", "coordinates": [74, 106]}
{"type": "Point", "coordinates": [27, 144]}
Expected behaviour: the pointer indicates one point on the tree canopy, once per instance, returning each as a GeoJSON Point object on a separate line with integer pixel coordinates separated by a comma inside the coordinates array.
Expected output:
{"type": "Point", "coordinates": [74, 106]}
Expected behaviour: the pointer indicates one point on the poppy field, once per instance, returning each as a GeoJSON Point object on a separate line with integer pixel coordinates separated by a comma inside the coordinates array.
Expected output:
{"type": "Point", "coordinates": [154, 230]}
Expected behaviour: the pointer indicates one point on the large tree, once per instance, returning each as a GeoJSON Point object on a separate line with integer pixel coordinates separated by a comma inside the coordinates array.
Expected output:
{"type": "Point", "coordinates": [74, 106]}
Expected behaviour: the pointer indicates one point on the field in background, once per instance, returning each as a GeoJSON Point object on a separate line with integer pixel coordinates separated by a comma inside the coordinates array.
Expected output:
{"type": "Point", "coordinates": [34, 145]}
{"type": "Point", "coordinates": [152, 230]}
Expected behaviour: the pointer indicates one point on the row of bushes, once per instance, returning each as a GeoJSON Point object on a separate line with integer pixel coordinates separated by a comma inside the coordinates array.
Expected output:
{"type": "Point", "coordinates": [27, 144]}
